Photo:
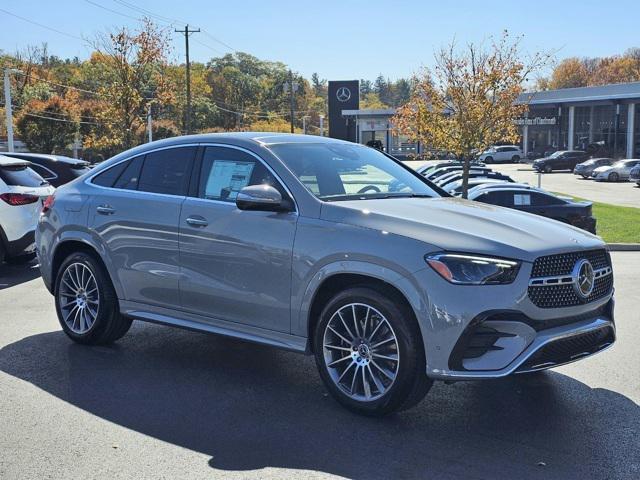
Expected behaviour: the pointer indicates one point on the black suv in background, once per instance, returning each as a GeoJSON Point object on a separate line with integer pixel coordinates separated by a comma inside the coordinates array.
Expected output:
{"type": "Point", "coordinates": [560, 160]}
{"type": "Point", "coordinates": [55, 169]}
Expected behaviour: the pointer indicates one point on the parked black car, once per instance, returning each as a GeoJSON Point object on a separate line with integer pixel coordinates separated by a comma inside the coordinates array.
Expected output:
{"type": "Point", "coordinates": [560, 160]}
{"type": "Point", "coordinates": [585, 169]}
{"type": "Point", "coordinates": [537, 201]}
{"type": "Point", "coordinates": [55, 169]}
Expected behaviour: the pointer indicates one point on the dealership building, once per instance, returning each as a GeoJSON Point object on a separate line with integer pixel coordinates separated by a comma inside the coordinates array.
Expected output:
{"type": "Point", "coordinates": [606, 118]}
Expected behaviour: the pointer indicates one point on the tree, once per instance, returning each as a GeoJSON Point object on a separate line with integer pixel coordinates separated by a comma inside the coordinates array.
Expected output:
{"type": "Point", "coordinates": [131, 65]}
{"type": "Point", "coordinates": [571, 72]}
{"type": "Point", "coordinates": [470, 101]}
{"type": "Point", "coordinates": [40, 132]}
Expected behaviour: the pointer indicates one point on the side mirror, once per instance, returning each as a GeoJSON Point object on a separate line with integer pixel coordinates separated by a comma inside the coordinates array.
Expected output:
{"type": "Point", "coordinates": [261, 197]}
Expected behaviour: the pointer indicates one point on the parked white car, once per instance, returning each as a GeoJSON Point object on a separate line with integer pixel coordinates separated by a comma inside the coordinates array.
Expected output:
{"type": "Point", "coordinates": [501, 154]}
{"type": "Point", "coordinates": [22, 193]}
{"type": "Point", "coordinates": [616, 172]}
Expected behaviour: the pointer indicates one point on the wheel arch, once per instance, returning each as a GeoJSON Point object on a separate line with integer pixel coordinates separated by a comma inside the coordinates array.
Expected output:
{"type": "Point", "coordinates": [324, 286]}
{"type": "Point", "coordinates": [67, 246]}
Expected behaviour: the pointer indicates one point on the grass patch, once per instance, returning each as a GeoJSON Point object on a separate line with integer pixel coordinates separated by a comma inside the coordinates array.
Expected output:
{"type": "Point", "coordinates": [616, 224]}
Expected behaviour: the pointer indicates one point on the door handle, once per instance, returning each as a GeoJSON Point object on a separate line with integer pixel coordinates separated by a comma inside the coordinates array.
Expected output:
{"type": "Point", "coordinates": [197, 221]}
{"type": "Point", "coordinates": [105, 210]}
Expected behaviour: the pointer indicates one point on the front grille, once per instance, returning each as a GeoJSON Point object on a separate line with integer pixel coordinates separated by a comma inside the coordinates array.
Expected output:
{"type": "Point", "coordinates": [570, 348]}
{"type": "Point", "coordinates": [562, 264]}
{"type": "Point", "coordinates": [564, 295]}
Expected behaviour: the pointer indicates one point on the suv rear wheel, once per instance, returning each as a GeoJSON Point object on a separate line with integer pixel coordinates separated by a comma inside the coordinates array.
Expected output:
{"type": "Point", "coordinates": [369, 352]}
{"type": "Point", "coordinates": [86, 303]}
{"type": "Point", "coordinates": [515, 158]}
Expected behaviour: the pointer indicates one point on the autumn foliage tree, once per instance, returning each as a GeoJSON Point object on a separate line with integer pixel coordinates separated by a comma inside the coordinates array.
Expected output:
{"type": "Point", "coordinates": [42, 134]}
{"type": "Point", "coordinates": [131, 66]}
{"type": "Point", "coordinates": [469, 101]}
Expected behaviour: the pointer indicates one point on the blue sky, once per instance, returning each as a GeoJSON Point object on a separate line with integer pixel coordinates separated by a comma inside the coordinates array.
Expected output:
{"type": "Point", "coordinates": [338, 39]}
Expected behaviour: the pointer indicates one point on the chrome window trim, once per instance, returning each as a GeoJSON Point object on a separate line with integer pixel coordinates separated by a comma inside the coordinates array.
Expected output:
{"type": "Point", "coordinates": [89, 179]}
{"type": "Point", "coordinates": [53, 174]}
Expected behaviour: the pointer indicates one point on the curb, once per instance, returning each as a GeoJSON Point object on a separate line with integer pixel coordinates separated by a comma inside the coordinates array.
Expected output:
{"type": "Point", "coordinates": [624, 247]}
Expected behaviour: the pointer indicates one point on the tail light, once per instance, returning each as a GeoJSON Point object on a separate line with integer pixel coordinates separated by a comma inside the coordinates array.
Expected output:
{"type": "Point", "coordinates": [47, 204]}
{"type": "Point", "coordinates": [17, 199]}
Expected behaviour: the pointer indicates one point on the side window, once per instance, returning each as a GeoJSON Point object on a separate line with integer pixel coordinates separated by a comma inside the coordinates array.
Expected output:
{"type": "Point", "coordinates": [226, 171]}
{"type": "Point", "coordinates": [43, 172]}
{"type": "Point", "coordinates": [110, 175]}
{"type": "Point", "coordinates": [167, 171]}
{"type": "Point", "coordinates": [540, 199]}
{"type": "Point", "coordinates": [128, 180]}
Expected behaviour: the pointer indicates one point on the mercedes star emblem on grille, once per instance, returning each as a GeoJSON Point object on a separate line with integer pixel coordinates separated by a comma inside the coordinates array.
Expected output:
{"type": "Point", "coordinates": [584, 277]}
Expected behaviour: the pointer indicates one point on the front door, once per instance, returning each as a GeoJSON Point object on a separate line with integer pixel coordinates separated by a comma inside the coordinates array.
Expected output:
{"type": "Point", "coordinates": [235, 264]}
{"type": "Point", "coordinates": [136, 217]}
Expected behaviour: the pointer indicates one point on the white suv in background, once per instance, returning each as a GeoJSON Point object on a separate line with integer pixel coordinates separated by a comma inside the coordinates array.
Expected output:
{"type": "Point", "coordinates": [501, 154]}
{"type": "Point", "coordinates": [22, 192]}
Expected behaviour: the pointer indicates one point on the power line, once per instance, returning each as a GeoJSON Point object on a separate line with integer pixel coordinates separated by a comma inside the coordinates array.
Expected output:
{"type": "Point", "coordinates": [111, 10]}
{"type": "Point", "coordinates": [41, 25]}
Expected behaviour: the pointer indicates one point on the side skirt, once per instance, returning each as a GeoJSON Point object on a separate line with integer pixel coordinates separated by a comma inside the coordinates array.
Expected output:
{"type": "Point", "coordinates": [189, 321]}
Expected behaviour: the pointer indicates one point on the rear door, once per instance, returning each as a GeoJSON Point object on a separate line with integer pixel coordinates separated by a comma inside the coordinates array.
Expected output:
{"type": "Point", "coordinates": [136, 215]}
{"type": "Point", "coordinates": [235, 264]}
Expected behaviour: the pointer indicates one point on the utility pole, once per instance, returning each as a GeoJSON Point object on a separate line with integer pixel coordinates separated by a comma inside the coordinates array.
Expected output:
{"type": "Point", "coordinates": [291, 87]}
{"type": "Point", "coordinates": [7, 106]}
{"type": "Point", "coordinates": [304, 124]}
{"type": "Point", "coordinates": [149, 124]}
{"type": "Point", "coordinates": [187, 116]}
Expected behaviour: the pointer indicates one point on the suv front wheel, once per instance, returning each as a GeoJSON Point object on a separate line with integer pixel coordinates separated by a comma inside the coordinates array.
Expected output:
{"type": "Point", "coordinates": [86, 302]}
{"type": "Point", "coordinates": [369, 352]}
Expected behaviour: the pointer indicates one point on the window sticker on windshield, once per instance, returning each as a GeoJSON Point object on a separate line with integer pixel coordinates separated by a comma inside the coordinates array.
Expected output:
{"type": "Point", "coordinates": [227, 178]}
{"type": "Point", "coordinates": [521, 199]}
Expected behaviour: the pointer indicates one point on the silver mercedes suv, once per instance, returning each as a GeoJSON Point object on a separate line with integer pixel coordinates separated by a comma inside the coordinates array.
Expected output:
{"type": "Point", "coordinates": [327, 248]}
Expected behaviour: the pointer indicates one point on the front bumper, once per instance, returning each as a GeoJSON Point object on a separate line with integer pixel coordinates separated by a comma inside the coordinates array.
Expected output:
{"type": "Point", "coordinates": [483, 332]}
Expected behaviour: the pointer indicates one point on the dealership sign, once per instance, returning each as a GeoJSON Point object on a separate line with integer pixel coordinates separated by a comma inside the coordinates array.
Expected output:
{"type": "Point", "coordinates": [536, 121]}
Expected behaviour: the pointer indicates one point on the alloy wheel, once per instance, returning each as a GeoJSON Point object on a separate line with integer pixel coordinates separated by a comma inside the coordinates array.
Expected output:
{"type": "Point", "coordinates": [78, 298]}
{"type": "Point", "coordinates": [361, 352]}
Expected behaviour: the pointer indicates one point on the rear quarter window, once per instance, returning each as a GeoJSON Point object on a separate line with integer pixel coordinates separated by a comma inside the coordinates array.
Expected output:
{"type": "Point", "coordinates": [21, 175]}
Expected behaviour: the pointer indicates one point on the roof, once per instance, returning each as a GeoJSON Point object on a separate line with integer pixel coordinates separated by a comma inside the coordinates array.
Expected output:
{"type": "Point", "coordinates": [614, 91]}
{"type": "Point", "coordinates": [370, 112]}
{"type": "Point", "coordinates": [8, 161]}
{"type": "Point", "coordinates": [52, 158]}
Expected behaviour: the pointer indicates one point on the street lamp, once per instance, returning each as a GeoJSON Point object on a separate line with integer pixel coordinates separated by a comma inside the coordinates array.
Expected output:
{"type": "Point", "coordinates": [7, 106]}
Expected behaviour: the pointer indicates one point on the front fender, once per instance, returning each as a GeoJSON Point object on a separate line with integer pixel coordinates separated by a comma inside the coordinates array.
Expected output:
{"type": "Point", "coordinates": [404, 282]}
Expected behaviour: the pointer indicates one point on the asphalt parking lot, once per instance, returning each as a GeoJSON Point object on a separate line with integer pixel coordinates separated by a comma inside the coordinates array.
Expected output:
{"type": "Point", "coordinates": [166, 403]}
{"type": "Point", "coordinates": [619, 193]}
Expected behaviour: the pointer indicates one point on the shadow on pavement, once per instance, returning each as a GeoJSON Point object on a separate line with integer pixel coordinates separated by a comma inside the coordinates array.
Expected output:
{"type": "Point", "coordinates": [248, 407]}
{"type": "Point", "coordinates": [12, 275]}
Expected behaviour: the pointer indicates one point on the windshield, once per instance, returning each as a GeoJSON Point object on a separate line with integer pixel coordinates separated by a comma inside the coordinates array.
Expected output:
{"type": "Point", "coordinates": [334, 172]}
{"type": "Point", "coordinates": [556, 154]}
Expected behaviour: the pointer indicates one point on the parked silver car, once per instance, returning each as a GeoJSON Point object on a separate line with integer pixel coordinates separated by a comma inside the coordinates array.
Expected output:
{"type": "Point", "coordinates": [585, 169]}
{"type": "Point", "coordinates": [327, 248]}
{"type": "Point", "coordinates": [501, 154]}
{"type": "Point", "coordinates": [616, 172]}
{"type": "Point", "coordinates": [634, 174]}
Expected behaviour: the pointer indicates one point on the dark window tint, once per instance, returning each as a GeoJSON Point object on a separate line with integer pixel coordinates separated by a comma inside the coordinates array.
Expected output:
{"type": "Point", "coordinates": [21, 175]}
{"type": "Point", "coordinates": [540, 199]}
{"type": "Point", "coordinates": [226, 171]}
{"type": "Point", "coordinates": [79, 169]}
{"type": "Point", "coordinates": [110, 175]}
{"type": "Point", "coordinates": [167, 171]}
{"type": "Point", "coordinates": [128, 180]}
{"type": "Point", "coordinates": [43, 172]}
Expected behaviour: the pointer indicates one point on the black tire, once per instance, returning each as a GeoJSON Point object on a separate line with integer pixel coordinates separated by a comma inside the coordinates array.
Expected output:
{"type": "Point", "coordinates": [515, 159]}
{"type": "Point", "coordinates": [613, 177]}
{"type": "Point", "coordinates": [488, 160]}
{"type": "Point", "coordinates": [548, 169]}
{"type": "Point", "coordinates": [411, 383]}
{"type": "Point", "coordinates": [109, 324]}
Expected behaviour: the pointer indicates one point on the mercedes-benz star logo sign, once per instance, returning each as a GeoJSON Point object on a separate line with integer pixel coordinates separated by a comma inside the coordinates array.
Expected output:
{"type": "Point", "coordinates": [583, 277]}
{"type": "Point", "coordinates": [343, 94]}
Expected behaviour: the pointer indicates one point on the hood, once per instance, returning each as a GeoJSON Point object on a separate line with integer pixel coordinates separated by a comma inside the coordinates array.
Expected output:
{"type": "Point", "coordinates": [602, 169]}
{"type": "Point", "coordinates": [460, 225]}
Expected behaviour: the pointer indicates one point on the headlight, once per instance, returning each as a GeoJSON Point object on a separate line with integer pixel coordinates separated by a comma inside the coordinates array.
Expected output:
{"type": "Point", "coordinates": [468, 269]}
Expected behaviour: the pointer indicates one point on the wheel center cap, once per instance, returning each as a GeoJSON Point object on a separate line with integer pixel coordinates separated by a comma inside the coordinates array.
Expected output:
{"type": "Point", "coordinates": [363, 350]}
